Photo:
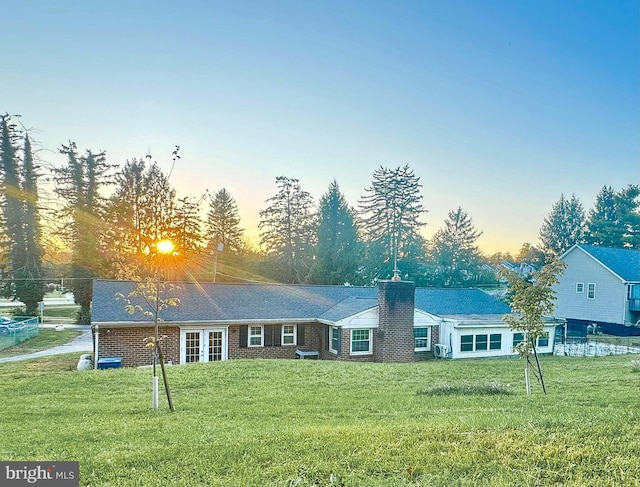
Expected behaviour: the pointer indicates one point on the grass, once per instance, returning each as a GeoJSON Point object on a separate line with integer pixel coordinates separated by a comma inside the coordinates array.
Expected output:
{"type": "Point", "coordinates": [61, 310]}
{"type": "Point", "coordinates": [323, 423]}
{"type": "Point", "coordinates": [46, 338]}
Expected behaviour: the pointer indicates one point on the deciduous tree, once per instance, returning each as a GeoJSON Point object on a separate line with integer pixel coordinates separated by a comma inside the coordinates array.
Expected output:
{"type": "Point", "coordinates": [532, 301]}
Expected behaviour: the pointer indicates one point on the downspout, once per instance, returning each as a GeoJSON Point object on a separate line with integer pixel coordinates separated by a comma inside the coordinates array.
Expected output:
{"type": "Point", "coordinates": [96, 342]}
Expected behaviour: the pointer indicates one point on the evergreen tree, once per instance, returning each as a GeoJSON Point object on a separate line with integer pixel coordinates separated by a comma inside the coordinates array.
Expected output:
{"type": "Point", "coordinates": [187, 227]}
{"type": "Point", "coordinates": [29, 286]}
{"type": "Point", "coordinates": [223, 223]}
{"type": "Point", "coordinates": [338, 250]}
{"type": "Point", "coordinates": [453, 251]}
{"type": "Point", "coordinates": [389, 214]}
{"type": "Point", "coordinates": [12, 206]}
{"type": "Point", "coordinates": [141, 212]}
{"type": "Point", "coordinates": [563, 227]}
{"type": "Point", "coordinates": [602, 224]}
{"type": "Point", "coordinates": [614, 220]}
{"type": "Point", "coordinates": [287, 228]}
{"type": "Point", "coordinates": [22, 222]}
{"type": "Point", "coordinates": [78, 184]}
{"type": "Point", "coordinates": [628, 207]}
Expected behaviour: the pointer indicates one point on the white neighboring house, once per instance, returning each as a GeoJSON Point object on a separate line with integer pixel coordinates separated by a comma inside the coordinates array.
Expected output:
{"type": "Point", "coordinates": [487, 336]}
{"type": "Point", "coordinates": [601, 285]}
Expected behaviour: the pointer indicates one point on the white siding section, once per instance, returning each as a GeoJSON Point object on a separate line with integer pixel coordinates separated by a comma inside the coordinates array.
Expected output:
{"type": "Point", "coordinates": [451, 336]}
{"type": "Point", "coordinates": [610, 303]}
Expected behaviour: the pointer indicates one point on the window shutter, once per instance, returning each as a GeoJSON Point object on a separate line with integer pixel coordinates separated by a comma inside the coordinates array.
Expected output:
{"type": "Point", "coordinates": [277, 335]}
{"type": "Point", "coordinates": [339, 340]}
{"type": "Point", "coordinates": [300, 335]}
{"type": "Point", "coordinates": [244, 332]}
{"type": "Point", "coordinates": [268, 335]}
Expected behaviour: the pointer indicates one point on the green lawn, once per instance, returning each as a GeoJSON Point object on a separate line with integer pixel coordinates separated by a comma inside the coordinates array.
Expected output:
{"type": "Point", "coordinates": [322, 423]}
{"type": "Point", "coordinates": [46, 338]}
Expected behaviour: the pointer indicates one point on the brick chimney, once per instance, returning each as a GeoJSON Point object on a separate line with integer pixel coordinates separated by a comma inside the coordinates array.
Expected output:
{"type": "Point", "coordinates": [395, 342]}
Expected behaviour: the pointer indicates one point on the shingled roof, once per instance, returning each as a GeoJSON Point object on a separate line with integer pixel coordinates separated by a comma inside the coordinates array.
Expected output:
{"type": "Point", "coordinates": [244, 302]}
{"type": "Point", "coordinates": [623, 262]}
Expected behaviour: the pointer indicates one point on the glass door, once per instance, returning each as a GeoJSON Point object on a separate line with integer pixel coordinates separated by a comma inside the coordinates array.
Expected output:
{"type": "Point", "coordinates": [206, 345]}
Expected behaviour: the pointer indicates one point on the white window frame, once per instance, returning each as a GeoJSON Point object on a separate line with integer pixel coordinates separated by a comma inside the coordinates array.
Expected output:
{"type": "Point", "coordinates": [251, 335]}
{"type": "Point", "coordinates": [428, 338]}
{"type": "Point", "coordinates": [293, 335]}
{"type": "Point", "coordinates": [545, 335]}
{"type": "Point", "coordinates": [580, 287]}
{"type": "Point", "coordinates": [331, 329]}
{"type": "Point", "coordinates": [370, 341]}
{"type": "Point", "coordinates": [591, 290]}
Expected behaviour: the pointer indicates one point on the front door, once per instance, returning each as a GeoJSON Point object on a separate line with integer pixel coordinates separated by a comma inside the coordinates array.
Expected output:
{"type": "Point", "coordinates": [203, 345]}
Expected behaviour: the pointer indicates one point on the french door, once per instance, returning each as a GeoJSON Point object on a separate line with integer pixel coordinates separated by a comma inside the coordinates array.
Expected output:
{"type": "Point", "coordinates": [203, 345]}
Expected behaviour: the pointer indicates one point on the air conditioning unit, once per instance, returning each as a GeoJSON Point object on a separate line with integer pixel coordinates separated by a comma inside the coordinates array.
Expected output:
{"type": "Point", "coordinates": [440, 350]}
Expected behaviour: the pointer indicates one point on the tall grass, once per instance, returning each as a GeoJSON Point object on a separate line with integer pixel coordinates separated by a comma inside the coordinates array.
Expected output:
{"type": "Point", "coordinates": [312, 423]}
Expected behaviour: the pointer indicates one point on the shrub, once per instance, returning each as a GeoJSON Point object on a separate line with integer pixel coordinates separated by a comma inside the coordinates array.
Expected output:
{"type": "Point", "coordinates": [635, 365]}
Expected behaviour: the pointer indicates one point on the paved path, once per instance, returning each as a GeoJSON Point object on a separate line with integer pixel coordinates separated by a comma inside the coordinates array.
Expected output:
{"type": "Point", "coordinates": [81, 344]}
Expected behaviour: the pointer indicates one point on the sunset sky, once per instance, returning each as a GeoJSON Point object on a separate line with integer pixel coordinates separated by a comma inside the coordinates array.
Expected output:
{"type": "Point", "coordinates": [498, 106]}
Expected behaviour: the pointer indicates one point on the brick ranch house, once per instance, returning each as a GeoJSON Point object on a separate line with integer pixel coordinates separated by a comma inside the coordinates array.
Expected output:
{"type": "Point", "coordinates": [394, 322]}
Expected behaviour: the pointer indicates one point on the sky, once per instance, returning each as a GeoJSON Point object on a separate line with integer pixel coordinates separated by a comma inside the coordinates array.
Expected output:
{"type": "Point", "coordinates": [499, 107]}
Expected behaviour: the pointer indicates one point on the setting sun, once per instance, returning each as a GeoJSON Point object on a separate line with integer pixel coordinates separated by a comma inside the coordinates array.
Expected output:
{"type": "Point", "coordinates": [165, 246]}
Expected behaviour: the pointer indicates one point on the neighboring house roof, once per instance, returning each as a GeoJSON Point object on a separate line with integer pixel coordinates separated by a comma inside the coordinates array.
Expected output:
{"type": "Point", "coordinates": [238, 302]}
{"type": "Point", "coordinates": [458, 302]}
{"type": "Point", "coordinates": [625, 263]}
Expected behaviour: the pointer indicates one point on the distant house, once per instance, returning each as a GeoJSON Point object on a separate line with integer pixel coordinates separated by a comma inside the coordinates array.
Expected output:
{"type": "Point", "coordinates": [523, 269]}
{"type": "Point", "coordinates": [394, 322]}
{"type": "Point", "coordinates": [600, 288]}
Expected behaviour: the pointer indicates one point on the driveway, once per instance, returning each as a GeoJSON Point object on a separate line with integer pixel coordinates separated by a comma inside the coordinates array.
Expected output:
{"type": "Point", "coordinates": [81, 344]}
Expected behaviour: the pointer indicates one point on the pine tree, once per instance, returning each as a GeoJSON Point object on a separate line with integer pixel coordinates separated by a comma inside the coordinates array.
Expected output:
{"type": "Point", "coordinates": [287, 229]}
{"type": "Point", "coordinates": [338, 251]}
{"type": "Point", "coordinates": [187, 227]}
{"type": "Point", "coordinates": [389, 214]}
{"type": "Point", "coordinates": [563, 227]}
{"type": "Point", "coordinates": [223, 223]}
{"type": "Point", "coordinates": [22, 222]}
{"type": "Point", "coordinates": [12, 204]}
{"type": "Point", "coordinates": [628, 207]}
{"type": "Point", "coordinates": [602, 225]}
{"type": "Point", "coordinates": [29, 285]}
{"type": "Point", "coordinates": [140, 213]}
{"type": "Point", "coordinates": [78, 184]}
{"type": "Point", "coordinates": [453, 251]}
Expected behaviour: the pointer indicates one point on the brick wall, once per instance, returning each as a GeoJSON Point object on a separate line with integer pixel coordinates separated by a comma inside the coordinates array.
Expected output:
{"type": "Point", "coordinates": [395, 342]}
{"type": "Point", "coordinates": [128, 343]}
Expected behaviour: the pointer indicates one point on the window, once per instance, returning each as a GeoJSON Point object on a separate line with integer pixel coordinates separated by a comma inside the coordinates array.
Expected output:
{"type": "Point", "coordinates": [361, 342]}
{"type": "Point", "coordinates": [543, 341]}
{"type": "Point", "coordinates": [591, 290]}
{"type": "Point", "coordinates": [422, 337]}
{"type": "Point", "coordinates": [466, 343]}
{"type": "Point", "coordinates": [256, 338]}
{"type": "Point", "coordinates": [495, 341]}
{"type": "Point", "coordinates": [579, 287]}
{"type": "Point", "coordinates": [289, 334]}
{"type": "Point", "coordinates": [481, 342]}
{"type": "Point", "coordinates": [517, 338]}
{"type": "Point", "coordinates": [334, 339]}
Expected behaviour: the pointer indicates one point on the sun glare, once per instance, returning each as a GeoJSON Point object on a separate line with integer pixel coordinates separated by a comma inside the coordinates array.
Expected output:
{"type": "Point", "coordinates": [165, 246]}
